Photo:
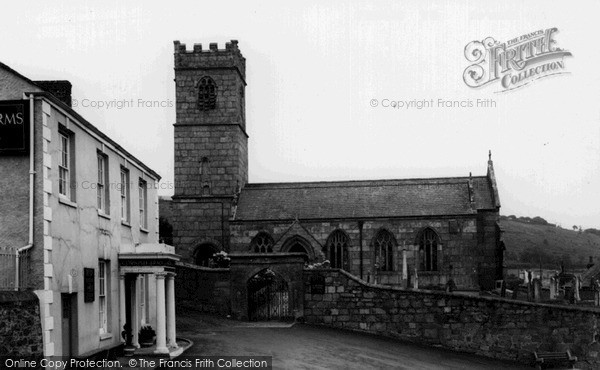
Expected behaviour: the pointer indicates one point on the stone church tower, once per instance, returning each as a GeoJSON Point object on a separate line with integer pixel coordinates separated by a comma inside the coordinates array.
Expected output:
{"type": "Point", "coordinates": [211, 147]}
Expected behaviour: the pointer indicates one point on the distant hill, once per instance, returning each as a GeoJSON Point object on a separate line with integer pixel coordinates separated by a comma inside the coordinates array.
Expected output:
{"type": "Point", "coordinates": [529, 240]}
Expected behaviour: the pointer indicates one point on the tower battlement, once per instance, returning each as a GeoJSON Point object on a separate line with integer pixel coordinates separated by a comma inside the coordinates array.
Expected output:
{"type": "Point", "coordinates": [199, 58]}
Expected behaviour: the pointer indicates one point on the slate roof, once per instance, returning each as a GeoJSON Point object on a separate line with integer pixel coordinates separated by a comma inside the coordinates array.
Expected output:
{"type": "Point", "coordinates": [364, 199]}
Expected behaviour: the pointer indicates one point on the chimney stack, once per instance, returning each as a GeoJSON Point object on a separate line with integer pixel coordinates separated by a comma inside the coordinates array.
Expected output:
{"type": "Point", "coordinates": [60, 89]}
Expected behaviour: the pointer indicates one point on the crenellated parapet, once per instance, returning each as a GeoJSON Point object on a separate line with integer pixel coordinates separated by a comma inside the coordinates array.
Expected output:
{"type": "Point", "coordinates": [213, 57]}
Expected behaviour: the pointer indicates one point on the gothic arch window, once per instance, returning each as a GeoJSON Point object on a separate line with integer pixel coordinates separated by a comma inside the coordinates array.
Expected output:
{"type": "Point", "coordinates": [428, 249]}
{"type": "Point", "coordinates": [204, 254]}
{"type": "Point", "coordinates": [336, 249]}
{"type": "Point", "coordinates": [384, 250]}
{"type": "Point", "coordinates": [262, 243]}
{"type": "Point", "coordinates": [207, 94]}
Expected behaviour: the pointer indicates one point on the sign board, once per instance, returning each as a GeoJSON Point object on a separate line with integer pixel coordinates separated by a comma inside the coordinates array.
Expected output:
{"type": "Point", "coordinates": [14, 127]}
{"type": "Point", "coordinates": [88, 285]}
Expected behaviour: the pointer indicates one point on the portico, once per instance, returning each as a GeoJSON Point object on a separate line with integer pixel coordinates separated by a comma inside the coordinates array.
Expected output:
{"type": "Point", "coordinates": [146, 282]}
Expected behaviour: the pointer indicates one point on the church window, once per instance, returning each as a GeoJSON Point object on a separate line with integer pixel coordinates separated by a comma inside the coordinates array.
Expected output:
{"type": "Point", "coordinates": [207, 94]}
{"type": "Point", "coordinates": [262, 243]}
{"type": "Point", "coordinates": [384, 250]}
{"type": "Point", "coordinates": [337, 249]}
{"type": "Point", "coordinates": [428, 248]}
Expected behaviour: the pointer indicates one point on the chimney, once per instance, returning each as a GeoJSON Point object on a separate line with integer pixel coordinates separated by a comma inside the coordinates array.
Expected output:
{"type": "Point", "coordinates": [60, 89]}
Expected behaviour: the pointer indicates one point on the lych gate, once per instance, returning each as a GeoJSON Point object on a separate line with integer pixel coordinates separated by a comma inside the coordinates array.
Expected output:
{"type": "Point", "coordinates": [267, 286]}
{"type": "Point", "coordinates": [268, 297]}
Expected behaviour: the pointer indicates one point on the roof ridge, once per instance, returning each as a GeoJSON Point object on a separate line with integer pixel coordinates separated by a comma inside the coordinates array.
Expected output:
{"type": "Point", "coordinates": [360, 183]}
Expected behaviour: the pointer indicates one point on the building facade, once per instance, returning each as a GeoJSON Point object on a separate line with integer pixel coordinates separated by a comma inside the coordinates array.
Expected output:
{"type": "Point", "coordinates": [80, 215]}
{"type": "Point", "coordinates": [435, 233]}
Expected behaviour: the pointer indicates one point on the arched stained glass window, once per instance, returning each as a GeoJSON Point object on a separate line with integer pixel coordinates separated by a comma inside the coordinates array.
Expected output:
{"type": "Point", "coordinates": [428, 250]}
{"type": "Point", "coordinates": [384, 250]}
{"type": "Point", "coordinates": [337, 249]}
{"type": "Point", "coordinates": [262, 243]}
{"type": "Point", "coordinates": [207, 94]}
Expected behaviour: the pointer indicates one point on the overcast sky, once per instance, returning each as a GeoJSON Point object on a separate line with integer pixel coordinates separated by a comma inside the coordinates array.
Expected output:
{"type": "Point", "coordinates": [313, 69]}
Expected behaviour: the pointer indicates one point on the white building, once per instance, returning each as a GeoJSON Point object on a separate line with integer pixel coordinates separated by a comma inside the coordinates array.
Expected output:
{"type": "Point", "coordinates": [80, 215]}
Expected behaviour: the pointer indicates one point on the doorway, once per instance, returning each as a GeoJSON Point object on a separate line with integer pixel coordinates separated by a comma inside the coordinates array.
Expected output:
{"type": "Point", "coordinates": [69, 324]}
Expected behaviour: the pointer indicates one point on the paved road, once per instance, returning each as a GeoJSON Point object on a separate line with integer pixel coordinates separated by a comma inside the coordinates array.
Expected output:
{"type": "Point", "coordinates": [309, 347]}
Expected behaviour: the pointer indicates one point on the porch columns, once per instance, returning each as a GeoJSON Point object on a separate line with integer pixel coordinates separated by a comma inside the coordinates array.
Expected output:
{"type": "Point", "coordinates": [122, 312]}
{"type": "Point", "coordinates": [161, 340]}
{"type": "Point", "coordinates": [171, 335]}
{"type": "Point", "coordinates": [135, 317]}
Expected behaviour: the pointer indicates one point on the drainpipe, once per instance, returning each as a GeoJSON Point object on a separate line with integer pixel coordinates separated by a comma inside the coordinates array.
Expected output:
{"type": "Point", "coordinates": [360, 236]}
{"type": "Point", "coordinates": [31, 186]}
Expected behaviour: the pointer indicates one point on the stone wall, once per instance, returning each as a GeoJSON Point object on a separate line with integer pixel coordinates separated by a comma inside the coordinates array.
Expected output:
{"type": "Point", "coordinates": [20, 325]}
{"type": "Point", "coordinates": [468, 253]}
{"type": "Point", "coordinates": [202, 289]}
{"type": "Point", "coordinates": [487, 326]}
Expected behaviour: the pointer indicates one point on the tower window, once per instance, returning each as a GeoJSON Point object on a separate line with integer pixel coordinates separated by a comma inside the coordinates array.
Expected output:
{"type": "Point", "coordinates": [207, 94]}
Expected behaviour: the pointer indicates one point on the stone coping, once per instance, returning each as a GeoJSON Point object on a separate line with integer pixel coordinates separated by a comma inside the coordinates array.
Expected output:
{"type": "Point", "coordinates": [201, 268]}
{"type": "Point", "coordinates": [455, 295]}
{"type": "Point", "coordinates": [17, 296]}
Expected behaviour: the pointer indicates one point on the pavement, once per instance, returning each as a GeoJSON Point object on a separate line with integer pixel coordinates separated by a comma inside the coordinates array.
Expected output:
{"type": "Point", "coordinates": [300, 346]}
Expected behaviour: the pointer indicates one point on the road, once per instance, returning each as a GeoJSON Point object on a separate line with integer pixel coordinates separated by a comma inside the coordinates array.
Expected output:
{"type": "Point", "coordinates": [310, 347]}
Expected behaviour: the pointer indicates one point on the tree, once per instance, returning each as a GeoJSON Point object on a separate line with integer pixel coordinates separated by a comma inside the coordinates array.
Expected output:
{"type": "Point", "coordinates": [165, 231]}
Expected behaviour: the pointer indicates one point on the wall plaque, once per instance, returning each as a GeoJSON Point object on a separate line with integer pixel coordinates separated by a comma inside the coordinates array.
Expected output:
{"type": "Point", "coordinates": [89, 293]}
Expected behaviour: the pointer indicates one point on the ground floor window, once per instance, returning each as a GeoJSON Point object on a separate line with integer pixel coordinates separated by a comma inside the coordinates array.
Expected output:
{"type": "Point", "coordinates": [103, 272]}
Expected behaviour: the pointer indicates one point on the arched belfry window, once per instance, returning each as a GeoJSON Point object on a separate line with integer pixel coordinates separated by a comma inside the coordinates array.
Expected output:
{"type": "Point", "coordinates": [262, 243]}
{"type": "Point", "coordinates": [428, 249]}
{"type": "Point", "coordinates": [384, 250]}
{"type": "Point", "coordinates": [207, 94]}
{"type": "Point", "coordinates": [337, 249]}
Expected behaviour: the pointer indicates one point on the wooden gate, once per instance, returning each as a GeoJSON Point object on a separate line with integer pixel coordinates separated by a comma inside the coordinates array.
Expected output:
{"type": "Point", "coordinates": [268, 297]}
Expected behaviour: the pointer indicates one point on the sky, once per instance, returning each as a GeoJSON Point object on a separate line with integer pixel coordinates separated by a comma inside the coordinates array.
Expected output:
{"type": "Point", "coordinates": [322, 76]}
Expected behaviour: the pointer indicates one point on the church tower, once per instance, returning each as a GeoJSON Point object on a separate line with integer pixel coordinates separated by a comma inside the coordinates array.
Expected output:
{"type": "Point", "coordinates": [211, 146]}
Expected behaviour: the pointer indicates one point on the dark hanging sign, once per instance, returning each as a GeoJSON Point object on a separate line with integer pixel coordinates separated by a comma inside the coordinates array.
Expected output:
{"type": "Point", "coordinates": [88, 285]}
{"type": "Point", "coordinates": [14, 127]}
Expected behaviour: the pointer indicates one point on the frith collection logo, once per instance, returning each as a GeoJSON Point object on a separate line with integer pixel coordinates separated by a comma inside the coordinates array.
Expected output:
{"type": "Point", "coordinates": [514, 63]}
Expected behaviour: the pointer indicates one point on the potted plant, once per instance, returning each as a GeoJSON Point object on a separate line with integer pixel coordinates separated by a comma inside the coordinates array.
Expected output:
{"type": "Point", "coordinates": [147, 336]}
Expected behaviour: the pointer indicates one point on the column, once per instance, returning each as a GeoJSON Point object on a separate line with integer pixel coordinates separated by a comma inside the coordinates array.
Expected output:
{"type": "Point", "coordinates": [122, 312]}
{"type": "Point", "coordinates": [171, 332]}
{"type": "Point", "coordinates": [135, 317]}
{"type": "Point", "coordinates": [161, 340]}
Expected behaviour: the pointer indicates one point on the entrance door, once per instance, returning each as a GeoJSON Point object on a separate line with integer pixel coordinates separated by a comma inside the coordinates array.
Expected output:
{"type": "Point", "coordinates": [69, 324]}
{"type": "Point", "coordinates": [268, 297]}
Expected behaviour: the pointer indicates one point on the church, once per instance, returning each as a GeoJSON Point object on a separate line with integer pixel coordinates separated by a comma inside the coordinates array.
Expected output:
{"type": "Point", "coordinates": [439, 232]}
